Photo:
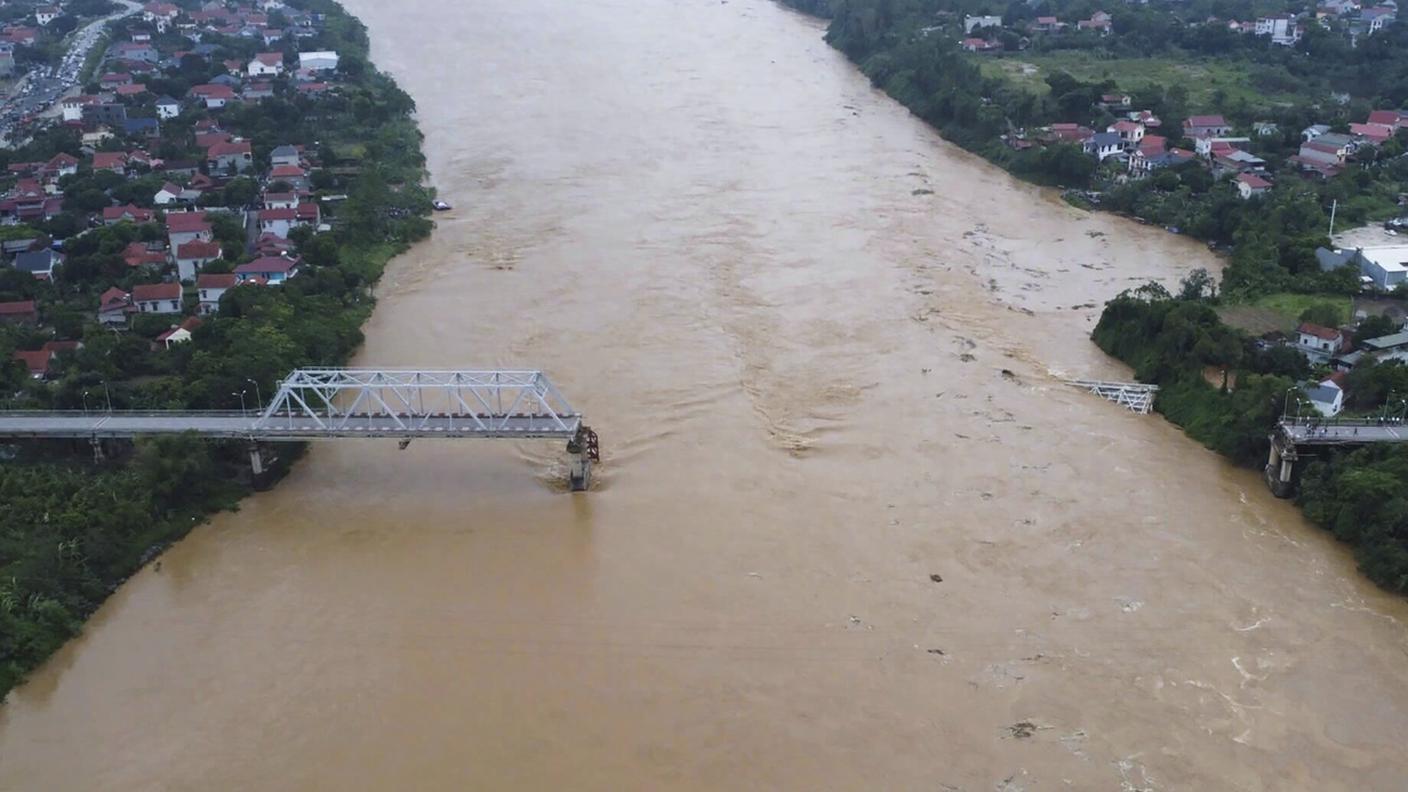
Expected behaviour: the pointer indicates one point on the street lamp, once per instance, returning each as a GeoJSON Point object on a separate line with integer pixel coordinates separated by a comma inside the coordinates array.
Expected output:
{"type": "Point", "coordinates": [107, 394]}
{"type": "Point", "coordinates": [241, 395]}
{"type": "Point", "coordinates": [85, 402]}
{"type": "Point", "coordinates": [258, 396]}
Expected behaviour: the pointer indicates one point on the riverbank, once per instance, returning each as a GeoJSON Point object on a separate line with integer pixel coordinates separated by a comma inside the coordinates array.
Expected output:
{"type": "Point", "coordinates": [76, 529]}
{"type": "Point", "coordinates": [1355, 494]}
{"type": "Point", "coordinates": [1165, 171]}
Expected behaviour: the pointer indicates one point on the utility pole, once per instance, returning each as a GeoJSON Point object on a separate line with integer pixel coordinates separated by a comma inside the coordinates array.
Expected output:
{"type": "Point", "coordinates": [1335, 204]}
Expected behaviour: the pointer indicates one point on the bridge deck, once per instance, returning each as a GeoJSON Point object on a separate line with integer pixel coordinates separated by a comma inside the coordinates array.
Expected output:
{"type": "Point", "coordinates": [236, 425]}
{"type": "Point", "coordinates": [1343, 432]}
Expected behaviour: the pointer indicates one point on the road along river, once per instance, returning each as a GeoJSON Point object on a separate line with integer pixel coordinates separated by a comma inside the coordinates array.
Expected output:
{"type": "Point", "coordinates": [787, 306]}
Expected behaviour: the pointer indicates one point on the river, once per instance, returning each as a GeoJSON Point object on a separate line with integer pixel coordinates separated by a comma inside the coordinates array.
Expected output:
{"type": "Point", "coordinates": [822, 349]}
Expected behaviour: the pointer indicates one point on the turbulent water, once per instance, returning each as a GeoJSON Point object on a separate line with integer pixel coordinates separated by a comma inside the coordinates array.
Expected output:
{"type": "Point", "coordinates": [823, 351]}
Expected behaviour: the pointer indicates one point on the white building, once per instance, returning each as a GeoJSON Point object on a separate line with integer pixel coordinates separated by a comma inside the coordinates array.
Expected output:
{"type": "Point", "coordinates": [1326, 397]}
{"type": "Point", "coordinates": [1386, 266]}
{"type": "Point", "coordinates": [318, 61]}
{"type": "Point", "coordinates": [1282, 28]}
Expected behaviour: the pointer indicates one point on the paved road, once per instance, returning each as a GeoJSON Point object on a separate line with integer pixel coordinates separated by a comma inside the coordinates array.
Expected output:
{"type": "Point", "coordinates": [41, 88]}
{"type": "Point", "coordinates": [281, 428]}
{"type": "Point", "coordinates": [1346, 433]}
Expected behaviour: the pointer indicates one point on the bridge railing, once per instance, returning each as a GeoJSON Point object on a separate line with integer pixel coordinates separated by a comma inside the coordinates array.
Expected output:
{"type": "Point", "coordinates": [1348, 423]}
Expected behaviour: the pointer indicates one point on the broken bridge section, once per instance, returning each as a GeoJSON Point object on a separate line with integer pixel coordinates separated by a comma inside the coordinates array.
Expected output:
{"type": "Point", "coordinates": [1134, 396]}
{"type": "Point", "coordinates": [337, 403]}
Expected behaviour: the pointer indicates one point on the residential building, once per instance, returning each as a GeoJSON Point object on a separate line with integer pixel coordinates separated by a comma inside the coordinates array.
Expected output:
{"type": "Point", "coordinates": [266, 64]}
{"type": "Point", "coordinates": [970, 24]}
{"type": "Point", "coordinates": [274, 270]}
{"type": "Point", "coordinates": [1099, 22]}
{"type": "Point", "coordinates": [36, 362]}
{"type": "Point", "coordinates": [166, 107]}
{"type": "Point", "coordinates": [1103, 145]}
{"type": "Point", "coordinates": [192, 256]}
{"type": "Point", "coordinates": [1320, 343]}
{"type": "Point", "coordinates": [327, 61]}
{"type": "Point", "coordinates": [211, 287]}
{"type": "Point", "coordinates": [183, 227]}
{"type": "Point", "coordinates": [1250, 185]}
{"type": "Point", "coordinates": [214, 96]}
{"type": "Point", "coordinates": [22, 312]}
{"type": "Point", "coordinates": [1326, 397]}
{"type": "Point", "coordinates": [159, 298]}
{"type": "Point", "coordinates": [1130, 132]}
{"type": "Point", "coordinates": [1282, 28]}
{"type": "Point", "coordinates": [114, 306]}
{"type": "Point", "coordinates": [285, 155]}
{"type": "Point", "coordinates": [39, 263]}
{"type": "Point", "coordinates": [130, 213]}
{"type": "Point", "coordinates": [235, 156]}
{"type": "Point", "coordinates": [1206, 126]}
{"type": "Point", "coordinates": [179, 334]}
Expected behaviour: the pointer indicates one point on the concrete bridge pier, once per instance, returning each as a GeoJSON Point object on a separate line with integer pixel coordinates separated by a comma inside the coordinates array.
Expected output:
{"type": "Point", "coordinates": [1280, 467]}
{"type": "Point", "coordinates": [585, 450]}
{"type": "Point", "coordinates": [256, 460]}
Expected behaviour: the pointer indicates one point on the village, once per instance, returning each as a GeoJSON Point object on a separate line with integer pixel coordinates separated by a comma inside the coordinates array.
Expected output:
{"type": "Point", "coordinates": [206, 210]}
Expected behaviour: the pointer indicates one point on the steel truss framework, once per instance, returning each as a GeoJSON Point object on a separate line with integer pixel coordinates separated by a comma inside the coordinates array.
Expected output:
{"type": "Point", "coordinates": [339, 401]}
{"type": "Point", "coordinates": [1133, 396]}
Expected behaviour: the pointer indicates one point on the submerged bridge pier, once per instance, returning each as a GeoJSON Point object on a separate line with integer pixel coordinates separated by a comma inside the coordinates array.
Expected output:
{"type": "Point", "coordinates": [345, 403]}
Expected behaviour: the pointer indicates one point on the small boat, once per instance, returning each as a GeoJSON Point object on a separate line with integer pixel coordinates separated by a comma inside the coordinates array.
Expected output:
{"type": "Point", "coordinates": [441, 206]}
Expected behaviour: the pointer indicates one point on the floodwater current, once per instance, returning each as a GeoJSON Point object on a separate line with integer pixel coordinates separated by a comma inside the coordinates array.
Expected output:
{"type": "Point", "coordinates": [850, 532]}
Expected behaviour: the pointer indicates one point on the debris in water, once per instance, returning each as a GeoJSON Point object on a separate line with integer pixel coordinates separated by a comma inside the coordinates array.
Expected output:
{"type": "Point", "coordinates": [966, 358]}
{"type": "Point", "coordinates": [935, 651]}
{"type": "Point", "coordinates": [1022, 729]}
{"type": "Point", "coordinates": [937, 578]}
{"type": "Point", "coordinates": [922, 191]}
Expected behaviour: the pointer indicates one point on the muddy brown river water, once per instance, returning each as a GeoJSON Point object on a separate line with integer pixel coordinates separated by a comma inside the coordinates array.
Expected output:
{"type": "Point", "coordinates": [787, 307]}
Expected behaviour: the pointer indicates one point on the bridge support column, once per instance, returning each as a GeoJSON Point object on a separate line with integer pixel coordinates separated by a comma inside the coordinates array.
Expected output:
{"type": "Point", "coordinates": [98, 455]}
{"type": "Point", "coordinates": [1280, 468]}
{"type": "Point", "coordinates": [256, 460]}
{"type": "Point", "coordinates": [584, 450]}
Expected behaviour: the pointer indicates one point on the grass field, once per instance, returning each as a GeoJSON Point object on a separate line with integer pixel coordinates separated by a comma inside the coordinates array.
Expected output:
{"type": "Point", "coordinates": [1279, 312]}
{"type": "Point", "coordinates": [1202, 78]}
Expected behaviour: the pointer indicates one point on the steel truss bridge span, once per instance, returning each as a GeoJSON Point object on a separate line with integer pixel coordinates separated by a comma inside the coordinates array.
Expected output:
{"type": "Point", "coordinates": [340, 403]}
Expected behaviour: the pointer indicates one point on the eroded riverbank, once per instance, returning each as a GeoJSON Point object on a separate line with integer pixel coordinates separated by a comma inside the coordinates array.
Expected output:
{"type": "Point", "coordinates": [717, 238]}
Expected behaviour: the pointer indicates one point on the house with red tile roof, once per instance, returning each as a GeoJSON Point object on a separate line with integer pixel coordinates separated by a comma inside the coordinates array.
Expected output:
{"type": "Point", "coordinates": [213, 96]}
{"type": "Point", "coordinates": [235, 155]}
{"type": "Point", "coordinates": [130, 213]}
{"type": "Point", "coordinates": [275, 270]}
{"type": "Point", "coordinates": [114, 306]}
{"type": "Point", "coordinates": [211, 287]}
{"type": "Point", "coordinates": [160, 298]}
{"type": "Point", "coordinates": [178, 334]}
{"type": "Point", "coordinates": [23, 312]}
{"type": "Point", "coordinates": [1206, 126]}
{"type": "Point", "coordinates": [266, 64]}
{"type": "Point", "coordinates": [115, 161]}
{"type": "Point", "coordinates": [36, 361]}
{"type": "Point", "coordinates": [183, 227]}
{"type": "Point", "coordinates": [137, 254]}
{"type": "Point", "coordinates": [1250, 185]}
{"type": "Point", "coordinates": [192, 256]}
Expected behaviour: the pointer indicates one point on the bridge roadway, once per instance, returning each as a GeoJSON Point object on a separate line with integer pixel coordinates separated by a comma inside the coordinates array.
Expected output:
{"type": "Point", "coordinates": [1302, 431]}
{"type": "Point", "coordinates": [261, 428]}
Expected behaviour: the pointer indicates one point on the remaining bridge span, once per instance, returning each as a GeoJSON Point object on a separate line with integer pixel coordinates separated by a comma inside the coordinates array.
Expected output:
{"type": "Point", "coordinates": [1296, 438]}
{"type": "Point", "coordinates": [339, 403]}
